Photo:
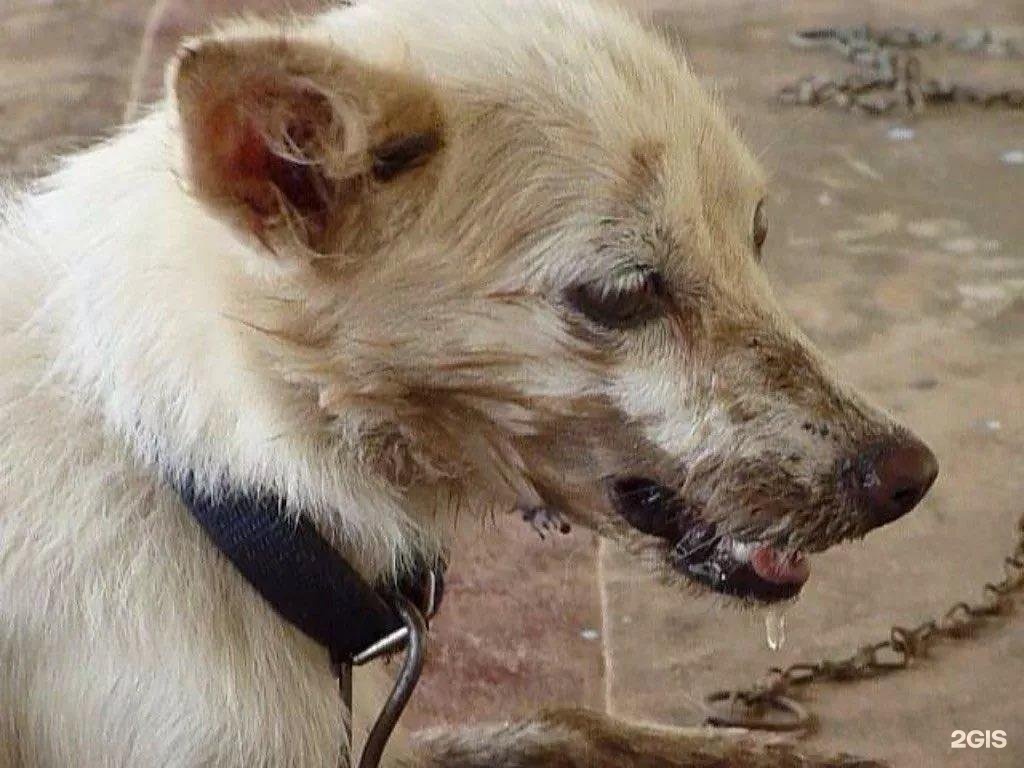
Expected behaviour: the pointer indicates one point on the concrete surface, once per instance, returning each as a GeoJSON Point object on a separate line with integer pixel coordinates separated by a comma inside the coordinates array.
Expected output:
{"type": "Point", "coordinates": [903, 259]}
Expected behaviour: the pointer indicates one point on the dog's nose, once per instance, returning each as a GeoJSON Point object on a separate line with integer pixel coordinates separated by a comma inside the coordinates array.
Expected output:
{"type": "Point", "coordinates": [894, 477]}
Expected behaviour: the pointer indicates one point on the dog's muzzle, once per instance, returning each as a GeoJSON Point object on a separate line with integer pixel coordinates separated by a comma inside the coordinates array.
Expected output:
{"type": "Point", "coordinates": [884, 482]}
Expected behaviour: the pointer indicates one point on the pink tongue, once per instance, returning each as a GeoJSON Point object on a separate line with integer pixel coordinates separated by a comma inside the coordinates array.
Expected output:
{"type": "Point", "coordinates": [770, 565]}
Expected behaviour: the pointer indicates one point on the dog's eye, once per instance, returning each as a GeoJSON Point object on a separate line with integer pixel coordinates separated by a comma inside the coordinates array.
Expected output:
{"type": "Point", "coordinates": [625, 302]}
{"type": "Point", "coordinates": [760, 228]}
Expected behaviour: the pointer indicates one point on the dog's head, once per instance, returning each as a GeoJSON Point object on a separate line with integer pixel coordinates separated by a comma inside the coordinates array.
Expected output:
{"type": "Point", "coordinates": [514, 256]}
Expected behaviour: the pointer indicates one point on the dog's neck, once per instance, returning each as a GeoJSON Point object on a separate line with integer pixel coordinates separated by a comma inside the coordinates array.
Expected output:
{"type": "Point", "coordinates": [170, 366]}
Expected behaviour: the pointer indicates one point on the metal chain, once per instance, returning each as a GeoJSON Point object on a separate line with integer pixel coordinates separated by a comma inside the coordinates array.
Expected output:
{"type": "Point", "coordinates": [891, 76]}
{"type": "Point", "coordinates": [768, 704]}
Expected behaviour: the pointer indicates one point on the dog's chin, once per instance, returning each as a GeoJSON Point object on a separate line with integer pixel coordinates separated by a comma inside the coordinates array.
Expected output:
{"type": "Point", "coordinates": [747, 570]}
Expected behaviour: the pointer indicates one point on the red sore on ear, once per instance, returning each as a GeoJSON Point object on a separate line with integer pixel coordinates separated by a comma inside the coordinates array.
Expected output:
{"type": "Point", "coordinates": [230, 158]}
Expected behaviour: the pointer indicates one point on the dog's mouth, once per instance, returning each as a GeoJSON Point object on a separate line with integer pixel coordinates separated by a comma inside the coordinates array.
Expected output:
{"type": "Point", "coordinates": [700, 550]}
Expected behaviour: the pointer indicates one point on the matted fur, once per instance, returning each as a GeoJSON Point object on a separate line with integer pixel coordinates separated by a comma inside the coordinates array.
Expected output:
{"type": "Point", "coordinates": [332, 264]}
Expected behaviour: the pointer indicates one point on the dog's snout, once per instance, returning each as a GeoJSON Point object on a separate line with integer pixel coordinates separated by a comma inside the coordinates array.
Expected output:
{"type": "Point", "coordinates": [894, 477]}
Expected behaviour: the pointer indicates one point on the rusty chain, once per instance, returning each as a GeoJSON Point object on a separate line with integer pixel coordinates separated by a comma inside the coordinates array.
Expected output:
{"type": "Point", "coordinates": [769, 704]}
{"type": "Point", "coordinates": [890, 76]}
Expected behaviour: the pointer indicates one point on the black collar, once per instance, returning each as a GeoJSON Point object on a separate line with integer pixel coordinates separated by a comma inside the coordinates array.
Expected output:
{"type": "Point", "coordinates": [303, 578]}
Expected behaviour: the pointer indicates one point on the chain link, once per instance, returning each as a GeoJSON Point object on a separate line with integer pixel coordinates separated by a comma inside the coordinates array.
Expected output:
{"type": "Point", "coordinates": [769, 704]}
{"type": "Point", "coordinates": [891, 76]}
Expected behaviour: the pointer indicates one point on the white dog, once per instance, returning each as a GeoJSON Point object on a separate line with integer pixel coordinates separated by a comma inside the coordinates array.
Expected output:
{"type": "Point", "coordinates": [386, 264]}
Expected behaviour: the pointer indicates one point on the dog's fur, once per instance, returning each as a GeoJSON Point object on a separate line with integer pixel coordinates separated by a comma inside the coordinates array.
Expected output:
{"type": "Point", "coordinates": [337, 263]}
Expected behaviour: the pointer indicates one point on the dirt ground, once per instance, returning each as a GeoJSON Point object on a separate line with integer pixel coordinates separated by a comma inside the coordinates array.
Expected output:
{"type": "Point", "coordinates": [901, 253]}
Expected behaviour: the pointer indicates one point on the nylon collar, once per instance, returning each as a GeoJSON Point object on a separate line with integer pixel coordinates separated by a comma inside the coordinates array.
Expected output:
{"type": "Point", "coordinates": [303, 578]}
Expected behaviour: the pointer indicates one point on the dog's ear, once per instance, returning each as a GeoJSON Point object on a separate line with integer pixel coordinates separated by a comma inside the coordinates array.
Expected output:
{"type": "Point", "coordinates": [291, 137]}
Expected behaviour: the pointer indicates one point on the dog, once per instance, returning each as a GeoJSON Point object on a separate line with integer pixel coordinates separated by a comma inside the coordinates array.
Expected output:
{"type": "Point", "coordinates": [400, 264]}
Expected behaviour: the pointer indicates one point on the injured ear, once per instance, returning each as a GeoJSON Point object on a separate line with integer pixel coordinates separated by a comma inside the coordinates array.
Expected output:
{"type": "Point", "coordinates": [293, 138]}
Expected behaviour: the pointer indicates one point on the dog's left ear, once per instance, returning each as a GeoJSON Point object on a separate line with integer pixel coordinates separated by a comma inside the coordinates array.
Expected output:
{"type": "Point", "coordinates": [292, 137]}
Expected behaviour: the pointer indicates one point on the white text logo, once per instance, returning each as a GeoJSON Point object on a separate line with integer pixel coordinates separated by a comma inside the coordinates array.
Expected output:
{"type": "Point", "coordinates": [978, 739]}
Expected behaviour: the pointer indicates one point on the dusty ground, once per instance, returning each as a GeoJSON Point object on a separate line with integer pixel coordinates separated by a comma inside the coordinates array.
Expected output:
{"type": "Point", "coordinates": [903, 259]}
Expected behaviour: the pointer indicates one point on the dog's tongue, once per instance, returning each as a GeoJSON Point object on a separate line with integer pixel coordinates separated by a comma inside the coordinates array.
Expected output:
{"type": "Point", "coordinates": [771, 565]}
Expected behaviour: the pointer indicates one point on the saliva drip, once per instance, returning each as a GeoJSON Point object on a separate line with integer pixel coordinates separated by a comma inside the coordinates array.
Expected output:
{"type": "Point", "coordinates": [775, 628]}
